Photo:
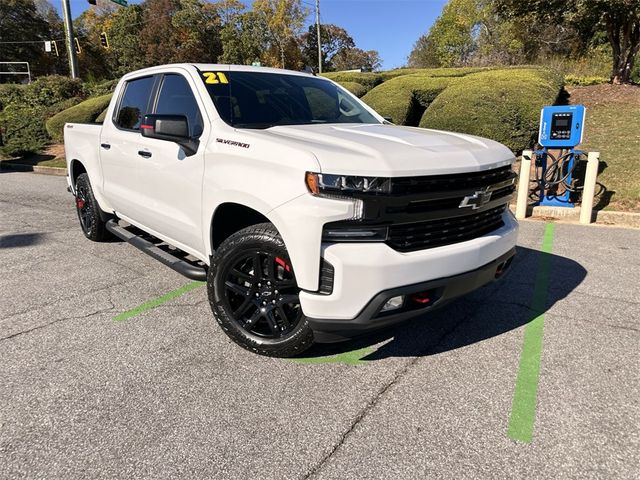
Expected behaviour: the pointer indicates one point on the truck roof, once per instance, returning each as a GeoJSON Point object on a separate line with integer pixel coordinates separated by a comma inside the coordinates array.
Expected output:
{"type": "Point", "coordinates": [220, 66]}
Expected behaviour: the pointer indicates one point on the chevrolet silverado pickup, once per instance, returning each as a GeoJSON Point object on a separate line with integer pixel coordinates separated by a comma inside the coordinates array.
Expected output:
{"type": "Point", "coordinates": [310, 216]}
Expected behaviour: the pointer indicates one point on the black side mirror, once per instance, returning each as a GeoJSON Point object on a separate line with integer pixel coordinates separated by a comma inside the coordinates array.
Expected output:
{"type": "Point", "coordinates": [173, 128]}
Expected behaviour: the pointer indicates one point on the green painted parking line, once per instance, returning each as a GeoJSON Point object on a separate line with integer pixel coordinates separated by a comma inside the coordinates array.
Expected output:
{"type": "Point", "coordinates": [157, 301]}
{"type": "Point", "coordinates": [523, 408]}
{"type": "Point", "coordinates": [355, 357]}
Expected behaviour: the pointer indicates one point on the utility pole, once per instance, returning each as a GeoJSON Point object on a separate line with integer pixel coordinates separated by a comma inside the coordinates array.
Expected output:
{"type": "Point", "coordinates": [68, 27]}
{"type": "Point", "coordinates": [319, 41]}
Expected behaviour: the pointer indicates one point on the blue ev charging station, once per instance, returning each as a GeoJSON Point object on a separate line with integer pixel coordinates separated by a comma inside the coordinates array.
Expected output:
{"type": "Point", "coordinates": [561, 129]}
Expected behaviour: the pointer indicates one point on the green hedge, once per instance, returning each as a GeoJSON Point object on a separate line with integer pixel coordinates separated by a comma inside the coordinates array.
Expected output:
{"type": "Point", "coordinates": [405, 98]}
{"type": "Point", "coordinates": [368, 80]}
{"type": "Point", "coordinates": [584, 81]}
{"type": "Point", "coordinates": [356, 88]}
{"type": "Point", "coordinates": [22, 127]}
{"type": "Point", "coordinates": [84, 112]}
{"type": "Point", "coordinates": [503, 105]}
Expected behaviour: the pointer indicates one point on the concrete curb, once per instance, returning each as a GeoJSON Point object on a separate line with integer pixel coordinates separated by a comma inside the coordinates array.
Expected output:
{"type": "Point", "coordinates": [572, 215]}
{"type": "Point", "coordinates": [19, 167]}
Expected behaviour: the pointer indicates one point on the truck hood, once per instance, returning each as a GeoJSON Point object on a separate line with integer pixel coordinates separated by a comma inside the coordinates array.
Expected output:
{"type": "Point", "coordinates": [390, 150]}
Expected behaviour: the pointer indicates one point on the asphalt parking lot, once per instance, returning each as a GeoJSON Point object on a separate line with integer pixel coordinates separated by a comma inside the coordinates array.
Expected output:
{"type": "Point", "coordinates": [108, 370]}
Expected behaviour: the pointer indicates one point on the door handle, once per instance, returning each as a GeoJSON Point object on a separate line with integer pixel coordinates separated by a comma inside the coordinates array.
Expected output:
{"type": "Point", "coordinates": [144, 153]}
{"type": "Point", "coordinates": [106, 146]}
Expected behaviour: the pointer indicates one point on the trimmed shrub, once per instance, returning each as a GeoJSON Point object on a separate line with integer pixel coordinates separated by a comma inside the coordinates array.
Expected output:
{"type": "Point", "coordinates": [405, 98]}
{"type": "Point", "coordinates": [503, 105]}
{"type": "Point", "coordinates": [356, 88]}
{"type": "Point", "coordinates": [584, 81]}
{"type": "Point", "coordinates": [10, 93]}
{"type": "Point", "coordinates": [102, 88]}
{"type": "Point", "coordinates": [100, 118]}
{"type": "Point", "coordinates": [22, 129]}
{"type": "Point", "coordinates": [368, 80]}
{"type": "Point", "coordinates": [48, 91]}
{"type": "Point", "coordinates": [84, 112]}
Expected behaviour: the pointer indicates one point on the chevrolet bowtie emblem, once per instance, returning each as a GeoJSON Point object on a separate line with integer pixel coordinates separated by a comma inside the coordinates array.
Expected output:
{"type": "Point", "coordinates": [477, 200]}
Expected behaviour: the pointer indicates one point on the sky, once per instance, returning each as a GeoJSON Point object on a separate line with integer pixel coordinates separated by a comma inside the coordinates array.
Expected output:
{"type": "Point", "coordinates": [389, 26]}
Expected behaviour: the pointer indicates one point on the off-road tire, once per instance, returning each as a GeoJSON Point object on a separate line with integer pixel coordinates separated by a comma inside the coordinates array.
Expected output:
{"type": "Point", "coordinates": [261, 239]}
{"type": "Point", "coordinates": [89, 213]}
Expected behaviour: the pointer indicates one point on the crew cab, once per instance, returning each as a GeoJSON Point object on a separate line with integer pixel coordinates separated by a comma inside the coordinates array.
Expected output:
{"type": "Point", "coordinates": [310, 216]}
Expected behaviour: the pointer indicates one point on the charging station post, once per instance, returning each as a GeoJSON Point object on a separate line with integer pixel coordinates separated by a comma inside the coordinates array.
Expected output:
{"type": "Point", "coordinates": [561, 131]}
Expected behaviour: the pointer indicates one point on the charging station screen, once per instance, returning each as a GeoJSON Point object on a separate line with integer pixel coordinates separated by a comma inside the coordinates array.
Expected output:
{"type": "Point", "coordinates": [561, 125]}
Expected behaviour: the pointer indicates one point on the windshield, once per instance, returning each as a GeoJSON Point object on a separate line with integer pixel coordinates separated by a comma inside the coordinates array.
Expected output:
{"type": "Point", "coordinates": [263, 100]}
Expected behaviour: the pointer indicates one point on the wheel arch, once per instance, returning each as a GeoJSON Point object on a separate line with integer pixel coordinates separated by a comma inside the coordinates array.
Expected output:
{"type": "Point", "coordinates": [76, 168]}
{"type": "Point", "coordinates": [231, 217]}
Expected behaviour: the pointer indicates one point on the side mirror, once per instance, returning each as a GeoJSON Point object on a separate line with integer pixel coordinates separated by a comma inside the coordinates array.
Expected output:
{"type": "Point", "coordinates": [172, 128]}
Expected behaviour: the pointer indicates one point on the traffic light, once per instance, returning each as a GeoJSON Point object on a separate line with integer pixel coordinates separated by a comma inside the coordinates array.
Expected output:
{"type": "Point", "coordinates": [104, 41]}
{"type": "Point", "coordinates": [78, 49]}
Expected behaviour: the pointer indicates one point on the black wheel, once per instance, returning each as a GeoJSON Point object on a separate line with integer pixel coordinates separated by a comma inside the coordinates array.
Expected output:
{"type": "Point", "coordinates": [88, 210]}
{"type": "Point", "coordinates": [254, 295]}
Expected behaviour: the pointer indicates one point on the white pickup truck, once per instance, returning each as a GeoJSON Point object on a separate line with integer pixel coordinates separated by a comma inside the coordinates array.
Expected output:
{"type": "Point", "coordinates": [310, 216]}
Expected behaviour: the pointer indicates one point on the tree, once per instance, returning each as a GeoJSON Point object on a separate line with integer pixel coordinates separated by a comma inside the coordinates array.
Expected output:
{"type": "Point", "coordinates": [619, 18]}
{"type": "Point", "coordinates": [92, 61]}
{"type": "Point", "coordinates": [333, 39]}
{"type": "Point", "coordinates": [243, 39]}
{"type": "Point", "coordinates": [284, 20]}
{"type": "Point", "coordinates": [356, 58]}
{"type": "Point", "coordinates": [21, 21]}
{"type": "Point", "coordinates": [229, 10]}
{"type": "Point", "coordinates": [180, 31]}
{"type": "Point", "coordinates": [126, 52]}
{"type": "Point", "coordinates": [451, 41]}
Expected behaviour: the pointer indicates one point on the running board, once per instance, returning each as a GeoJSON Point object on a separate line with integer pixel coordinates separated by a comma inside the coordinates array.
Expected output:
{"type": "Point", "coordinates": [185, 268]}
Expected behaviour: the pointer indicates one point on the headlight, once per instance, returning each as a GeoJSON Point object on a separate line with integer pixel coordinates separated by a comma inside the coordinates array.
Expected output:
{"type": "Point", "coordinates": [323, 183]}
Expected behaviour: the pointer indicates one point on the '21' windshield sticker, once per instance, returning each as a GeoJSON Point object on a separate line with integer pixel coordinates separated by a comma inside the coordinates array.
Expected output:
{"type": "Point", "coordinates": [214, 77]}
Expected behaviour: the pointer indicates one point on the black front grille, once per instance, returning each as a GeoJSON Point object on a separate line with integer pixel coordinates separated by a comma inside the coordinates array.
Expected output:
{"type": "Point", "coordinates": [452, 182]}
{"type": "Point", "coordinates": [436, 233]}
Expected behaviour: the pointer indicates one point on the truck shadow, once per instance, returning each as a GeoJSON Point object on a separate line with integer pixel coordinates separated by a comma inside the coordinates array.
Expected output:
{"type": "Point", "coordinates": [486, 313]}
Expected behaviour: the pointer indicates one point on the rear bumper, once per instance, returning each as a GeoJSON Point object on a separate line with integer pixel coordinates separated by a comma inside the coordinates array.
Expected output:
{"type": "Point", "coordinates": [441, 291]}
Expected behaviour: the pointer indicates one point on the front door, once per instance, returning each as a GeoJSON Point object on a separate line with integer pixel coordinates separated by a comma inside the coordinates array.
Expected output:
{"type": "Point", "coordinates": [171, 181]}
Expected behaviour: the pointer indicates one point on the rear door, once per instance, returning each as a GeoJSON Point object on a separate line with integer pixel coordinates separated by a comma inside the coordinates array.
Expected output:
{"type": "Point", "coordinates": [171, 193]}
{"type": "Point", "coordinates": [120, 146]}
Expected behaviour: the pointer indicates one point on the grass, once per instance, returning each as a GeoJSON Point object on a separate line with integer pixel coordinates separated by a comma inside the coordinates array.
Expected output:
{"type": "Point", "coordinates": [612, 126]}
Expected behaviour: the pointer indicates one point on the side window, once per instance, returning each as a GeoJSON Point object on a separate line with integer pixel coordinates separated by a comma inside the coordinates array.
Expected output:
{"type": "Point", "coordinates": [176, 98]}
{"type": "Point", "coordinates": [135, 100]}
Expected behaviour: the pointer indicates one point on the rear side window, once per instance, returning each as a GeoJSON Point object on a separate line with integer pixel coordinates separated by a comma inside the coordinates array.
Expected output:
{"type": "Point", "coordinates": [176, 98]}
{"type": "Point", "coordinates": [134, 104]}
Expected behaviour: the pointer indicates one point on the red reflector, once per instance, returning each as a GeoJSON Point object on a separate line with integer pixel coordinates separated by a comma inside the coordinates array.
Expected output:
{"type": "Point", "coordinates": [80, 203]}
{"type": "Point", "coordinates": [146, 126]}
{"type": "Point", "coordinates": [421, 297]}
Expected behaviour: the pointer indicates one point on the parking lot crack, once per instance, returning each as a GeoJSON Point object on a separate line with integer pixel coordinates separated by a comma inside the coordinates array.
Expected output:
{"type": "Point", "coordinates": [401, 373]}
{"type": "Point", "coordinates": [59, 320]}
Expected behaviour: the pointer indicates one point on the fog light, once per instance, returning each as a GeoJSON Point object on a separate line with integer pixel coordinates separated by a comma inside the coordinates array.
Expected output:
{"type": "Point", "coordinates": [393, 303]}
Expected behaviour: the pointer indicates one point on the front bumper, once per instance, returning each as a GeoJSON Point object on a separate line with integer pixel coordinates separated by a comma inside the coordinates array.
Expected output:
{"type": "Point", "coordinates": [362, 271]}
{"type": "Point", "coordinates": [443, 290]}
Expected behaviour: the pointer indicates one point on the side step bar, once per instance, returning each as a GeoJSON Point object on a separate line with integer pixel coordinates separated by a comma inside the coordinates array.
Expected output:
{"type": "Point", "coordinates": [185, 268]}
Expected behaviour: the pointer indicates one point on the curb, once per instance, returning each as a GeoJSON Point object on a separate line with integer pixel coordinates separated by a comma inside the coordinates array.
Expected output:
{"type": "Point", "coordinates": [19, 167]}
{"type": "Point", "coordinates": [572, 215]}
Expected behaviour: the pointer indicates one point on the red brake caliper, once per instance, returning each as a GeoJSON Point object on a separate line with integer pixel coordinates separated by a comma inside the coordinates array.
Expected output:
{"type": "Point", "coordinates": [284, 264]}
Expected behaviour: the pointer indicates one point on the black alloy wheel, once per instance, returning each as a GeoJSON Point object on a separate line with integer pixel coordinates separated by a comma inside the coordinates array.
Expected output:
{"type": "Point", "coordinates": [254, 295]}
{"type": "Point", "coordinates": [83, 207]}
{"type": "Point", "coordinates": [262, 295]}
{"type": "Point", "coordinates": [89, 213]}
